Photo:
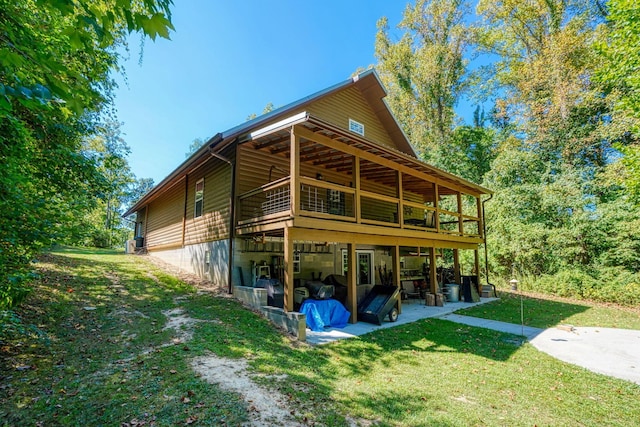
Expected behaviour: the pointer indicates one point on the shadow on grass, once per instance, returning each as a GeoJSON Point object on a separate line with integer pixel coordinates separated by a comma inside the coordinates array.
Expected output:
{"type": "Point", "coordinates": [537, 312]}
{"type": "Point", "coordinates": [109, 358]}
{"type": "Point", "coordinates": [124, 323]}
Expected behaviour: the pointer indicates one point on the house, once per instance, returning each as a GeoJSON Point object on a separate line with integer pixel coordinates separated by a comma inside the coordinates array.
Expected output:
{"type": "Point", "coordinates": [327, 185]}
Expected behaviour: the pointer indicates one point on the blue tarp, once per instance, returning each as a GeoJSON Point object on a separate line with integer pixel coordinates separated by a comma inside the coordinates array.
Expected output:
{"type": "Point", "coordinates": [324, 313]}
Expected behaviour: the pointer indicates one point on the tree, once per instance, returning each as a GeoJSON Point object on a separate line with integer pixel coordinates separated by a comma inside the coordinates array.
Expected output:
{"type": "Point", "coordinates": [470, 150]}
{"type": "Point", "coordinates": [545, 51]}
{"type": "Point", "coordinates": [619, 73]}
{"type": "Point", "coordinates": [104, 225]}
{"type": "Point", "coordinates": [267, 109]}
{"type": "Point", "coordinates": [556, 215]}
{"type": "Point", "coordinates": [56, 58]}
{"type": "Point", "coordinates": [195, 145]}
{"type": "Point", "coordinates": [424, 71]}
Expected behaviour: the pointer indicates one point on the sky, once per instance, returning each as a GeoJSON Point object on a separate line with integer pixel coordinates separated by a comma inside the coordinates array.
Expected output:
{"type": "Point", "coordinates": [228, 59]}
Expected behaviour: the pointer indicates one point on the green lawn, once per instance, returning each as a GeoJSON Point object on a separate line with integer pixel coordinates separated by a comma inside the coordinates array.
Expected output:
{"type": "Point", "coordinates": [108, 361]}
{"type": "Point", "coordinates": [546, 312]}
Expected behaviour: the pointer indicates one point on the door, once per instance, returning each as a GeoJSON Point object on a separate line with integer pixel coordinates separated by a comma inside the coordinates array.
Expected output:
{"type": "Point", "coordinates": [364, 264]}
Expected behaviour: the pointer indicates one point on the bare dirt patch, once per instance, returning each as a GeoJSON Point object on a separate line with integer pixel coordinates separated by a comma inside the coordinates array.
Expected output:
{"type": "Point", "coordinates": [266, 407]}
{"type": "Point", "coordinates": [180, 323]}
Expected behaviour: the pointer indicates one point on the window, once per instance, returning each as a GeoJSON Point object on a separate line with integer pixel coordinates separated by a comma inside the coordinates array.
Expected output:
{"type": "Point", "coordinates": [356, 127]}
{"type": "Point", "coordinates": [197, 211]}
{"type": "Point", "coordinates": [296, 261]}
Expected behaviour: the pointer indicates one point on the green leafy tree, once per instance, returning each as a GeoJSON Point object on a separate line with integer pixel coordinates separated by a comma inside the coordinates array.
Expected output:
{"type": "Point", "coordinates": [424, 71]}
{"type": "Point", "coordinates": [619, 73]}
{"type": "Point", "coordinates": [105, 227]}
{"type": "Point", "coordinates": [56, 57]}
{"type": "Point", "coordinates": [195, 145]}
{"type": "Point", "coordinates": [470, 150]}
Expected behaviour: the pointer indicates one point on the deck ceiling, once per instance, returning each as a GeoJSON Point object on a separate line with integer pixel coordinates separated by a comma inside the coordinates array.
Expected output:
{"type": "Point", "coordinates": [279, 143]}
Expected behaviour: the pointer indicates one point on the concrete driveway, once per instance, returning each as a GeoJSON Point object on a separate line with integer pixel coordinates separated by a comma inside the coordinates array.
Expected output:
{"type": "Point", "coordinates": [613, 352]}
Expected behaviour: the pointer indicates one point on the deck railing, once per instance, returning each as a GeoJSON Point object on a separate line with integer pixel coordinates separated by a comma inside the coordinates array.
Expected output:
{"type": "Point", "coordinates": [330, 201]}
{"type": "Point", "coordinates": [270, 201]}
{"type": "Point", "coordinates": [326, 200]}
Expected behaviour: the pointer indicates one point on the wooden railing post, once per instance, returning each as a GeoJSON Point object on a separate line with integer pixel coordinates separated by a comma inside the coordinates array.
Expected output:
{"type": "Point", "coordinates": [436, 204]}
{"type": "Point", "coordinates": [294, 170]}
{"type": "Point", "coordinates": [400, 194]}
{"type": "Point", "coordinates": [460, 218]}
{"type": "Point", "coordinates": [356, 183]}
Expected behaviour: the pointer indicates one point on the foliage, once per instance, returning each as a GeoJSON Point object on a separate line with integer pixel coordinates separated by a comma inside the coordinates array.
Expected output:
{"type": "Point", "coordinates": [424, 71]}
{"type": "Point", "coordinates": [104, 227]}
{"type": "Point", "coordinates": [195, 145]}
{"type": "Point", "coordinates": [469, 152]}
{"type": "Point", "coordinates": [619, 49]}
{"type": "Point", "coordinates": [570, 223]}
{"type": "Point", "coordinates": [56, 56]}
{"type": "Point", "coordinates": [559, 147]}
{"type": "Point", "coordinates": [619, 73]}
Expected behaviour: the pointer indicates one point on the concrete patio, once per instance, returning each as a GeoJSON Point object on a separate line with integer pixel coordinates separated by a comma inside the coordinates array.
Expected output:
{"type": "Point", "coordinates": [412, 310]}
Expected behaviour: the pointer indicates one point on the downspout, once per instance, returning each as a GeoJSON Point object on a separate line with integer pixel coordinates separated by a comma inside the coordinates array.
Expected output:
{"type": "Point", "coordinates": [486, 252]}
{"type": "Point", "coordinates": [232, 197]}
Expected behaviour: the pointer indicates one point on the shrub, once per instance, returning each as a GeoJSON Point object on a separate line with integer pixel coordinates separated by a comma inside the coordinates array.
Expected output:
{"type": "Point", "coordinates": [608, 285]}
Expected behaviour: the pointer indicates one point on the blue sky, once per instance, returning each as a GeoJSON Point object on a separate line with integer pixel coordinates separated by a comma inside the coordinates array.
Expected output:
{"type": "Point", "coordinates": [228, 59]}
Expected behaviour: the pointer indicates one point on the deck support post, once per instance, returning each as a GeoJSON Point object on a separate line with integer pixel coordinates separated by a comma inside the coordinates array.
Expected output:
{"type": "Point", "coordinates": [476, 261]}
{"type": "Point", "coordinates": [395, 259]}
{"type": "Point", "coordinates": [456, 266]}
{"type": "Point", "coordinates": [288, 270]}
{"type": "Point", "coordinates": [352, 291]}
{"type": "Point", "coordinates": [433, 276]}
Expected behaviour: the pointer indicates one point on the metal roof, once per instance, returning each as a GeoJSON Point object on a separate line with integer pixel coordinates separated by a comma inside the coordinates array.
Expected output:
{"type": "Point", "coordinates": [373, 90]}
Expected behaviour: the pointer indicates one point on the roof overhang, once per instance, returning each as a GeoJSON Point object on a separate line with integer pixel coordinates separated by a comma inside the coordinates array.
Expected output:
{"type": "Point", "coordinates": [372, 89]}
{"type": "Point", "coordinates": [276, 138]}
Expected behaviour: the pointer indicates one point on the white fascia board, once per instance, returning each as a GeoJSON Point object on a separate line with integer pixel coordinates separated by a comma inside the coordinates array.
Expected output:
{"type": "Point", "coordinates": [282, 123]}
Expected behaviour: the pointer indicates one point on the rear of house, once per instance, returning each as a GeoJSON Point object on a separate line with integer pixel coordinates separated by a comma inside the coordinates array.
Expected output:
{"type": "Point", "coordinates": [325, 189]}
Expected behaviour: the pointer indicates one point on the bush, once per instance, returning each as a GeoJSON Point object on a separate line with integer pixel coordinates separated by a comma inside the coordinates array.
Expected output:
{"type": "Point", "coordinates": [566, 283]}
{"type": "Point", "coordinates": [12, 327]}
{"type": "Point", "coordinates": [609, 285]}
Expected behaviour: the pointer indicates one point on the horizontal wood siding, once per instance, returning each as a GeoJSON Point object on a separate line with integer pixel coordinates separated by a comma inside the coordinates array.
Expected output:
{"type": "Point", "coordinates": [214, 222]}
{"type": "Point", "coordinates": [254, 166]}
{"type": "Point", "coordinates": [165, 217]}
{"type": "Point", "coordinates": [348, 104]}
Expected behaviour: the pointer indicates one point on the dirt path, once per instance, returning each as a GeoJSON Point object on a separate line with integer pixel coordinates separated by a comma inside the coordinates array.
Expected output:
{"type": "Point", "coordinates": [264, 407]}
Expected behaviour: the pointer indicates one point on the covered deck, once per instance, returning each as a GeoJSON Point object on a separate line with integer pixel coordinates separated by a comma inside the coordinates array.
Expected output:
{"type": "Point", "coordinates": [306, 180]}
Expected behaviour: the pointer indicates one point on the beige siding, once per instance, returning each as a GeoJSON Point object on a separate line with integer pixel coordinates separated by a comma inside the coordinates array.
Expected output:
{"type": "Point", "coordinates": [347, 104]}
{"type": "Point", "coordinates": [214, 223]}
{"type": "Point", "coordinates": [338, 108]}
{"type": "Point", "coordinates": [254, 168]}
{"type": "Point", "coordinates": [164, 221]}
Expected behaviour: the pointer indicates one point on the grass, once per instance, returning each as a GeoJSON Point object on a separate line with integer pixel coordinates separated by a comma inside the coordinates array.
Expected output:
{"type": "Point", "coordinates": [103, 362]}
{"type": "Point", "coordinates": [108, 361]}
{"type": "Point", "coordinates": [545, 312]}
